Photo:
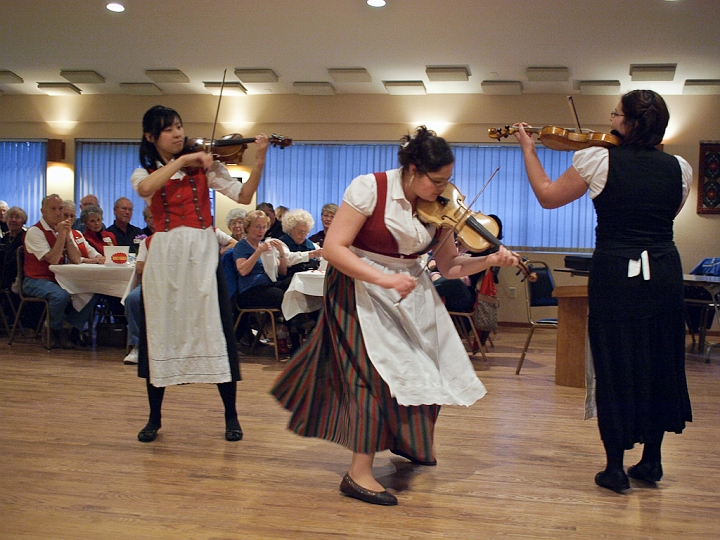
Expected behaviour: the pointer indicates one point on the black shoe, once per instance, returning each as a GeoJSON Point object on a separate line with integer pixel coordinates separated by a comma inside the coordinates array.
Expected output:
{"type": "Point", "coordinates": [414, 459]}
{"type": "Point", "coordinates": [61, 339]}
{"type": "Point", "coordinates": [351, 489]}
{"type": "Point", "coordinates": [233, 435]}
{"type": "Point", "coordinates": [647, 472]}
{"type": "Point", "coordinates": [616, 481]}
{"type": "Point", "coordinates": [79, 338]}
{"type": "Point", "coordinates": [148, 433]}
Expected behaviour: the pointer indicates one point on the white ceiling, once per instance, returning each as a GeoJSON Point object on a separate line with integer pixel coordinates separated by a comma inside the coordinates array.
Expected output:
{"type": "Point", "coordinates": [301, 39]}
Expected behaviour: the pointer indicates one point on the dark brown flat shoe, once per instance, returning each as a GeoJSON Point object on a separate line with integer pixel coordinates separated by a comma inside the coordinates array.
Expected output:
{"type": "Point", "coordinates": [351, 489]}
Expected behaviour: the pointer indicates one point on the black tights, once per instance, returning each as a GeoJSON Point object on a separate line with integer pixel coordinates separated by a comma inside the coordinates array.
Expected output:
{"type": "Point", "coordinates": [228, 392]}
{"type": "Point", "coordinates": [651, 451]}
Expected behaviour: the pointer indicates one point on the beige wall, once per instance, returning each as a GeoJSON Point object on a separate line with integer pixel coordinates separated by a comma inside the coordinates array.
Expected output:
{"type": "Point", "coordinates": [459, 118]}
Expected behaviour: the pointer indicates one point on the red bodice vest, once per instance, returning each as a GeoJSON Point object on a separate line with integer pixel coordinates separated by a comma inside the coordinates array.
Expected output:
{"type": "Point", "coordinates": [183, 202]}
{"type": "Point", "coordinates": [39, 269]}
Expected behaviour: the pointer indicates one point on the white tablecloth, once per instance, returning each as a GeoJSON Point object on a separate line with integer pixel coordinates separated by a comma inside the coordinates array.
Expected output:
{"type": "Point", "coordinates": [304, 295]}
{"type": "Point", "coordinates": [84, 280]}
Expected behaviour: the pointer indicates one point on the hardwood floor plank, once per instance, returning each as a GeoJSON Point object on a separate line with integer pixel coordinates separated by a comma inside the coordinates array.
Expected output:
{"type": "Point", "coordinates": [519, 463]}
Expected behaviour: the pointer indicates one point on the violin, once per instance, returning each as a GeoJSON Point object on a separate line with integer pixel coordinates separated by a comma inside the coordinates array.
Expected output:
{"type": "Point", "coordinates": [474, 230]}
{"type": "Point", "coordinates": [230, 148]}
{"type": "Point", "coordinates": [558, 138]}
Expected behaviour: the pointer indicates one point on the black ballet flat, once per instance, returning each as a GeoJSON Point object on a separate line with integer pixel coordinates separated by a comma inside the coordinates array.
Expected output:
{"type": "Point", "coordinates": [233, 435]}
{"type": "Point", "coordinates": [351, 489]}
{"type": "Point", "coordinates": [616, 481]}
{"type": "Point", "coordinates": [414, 460]}
{"type": "Point", "coordinates": [147, 435]}
{"type": "Point", "coordinates": [646, 472]}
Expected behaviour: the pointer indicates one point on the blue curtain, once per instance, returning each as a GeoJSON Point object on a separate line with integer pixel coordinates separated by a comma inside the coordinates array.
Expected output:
{"type": "Point", "coordinates": [104, 169]}
{"type": "Point", "coordinates": [310, 175]}
{"type": "Point", "coordinates": [23, 175]}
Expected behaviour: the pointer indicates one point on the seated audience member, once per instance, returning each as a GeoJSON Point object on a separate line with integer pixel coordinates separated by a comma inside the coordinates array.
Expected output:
{"type": "Point", "coordinates": [86, 201]}
{"type": "Point", "coordinates": [234, 221]}
{"type": "Point", "coordinates": [88, 254]}
{"type": "Point", "coordinates": [280, 211]}
{"type": "Point", "coordinates": [50, 241]}
{"type": "Point", "coordinates": [3, 224]}
{"type": "Point", "coordinates": [226, 242]}
{"type": "Point", "coordinates": [92, 217]}
{"type": "Point", "coordinates": [254, 286]}
{"type": "Point", "coordinates": [326, 216]}
{"type": "Point", "coordinates": [133, 304]}
{"type": "Point", "coordinates": [303, 254]}
{"type": "Point", "coordinates": [15, 218]}
{"type": "Point", "coordinates": [125, 233]}
{"type": "Point", "coordinates": [149, 228]}
{"type": "Point", "coordinates": [275, 225]}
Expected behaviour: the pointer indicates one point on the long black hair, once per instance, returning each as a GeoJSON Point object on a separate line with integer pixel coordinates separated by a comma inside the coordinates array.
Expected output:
{"type": "Point", "coordinates": [155, 120]}
{"type": "Point", "coordinates": [646, 116]}
{"type": "Point", "coordinates": [425, 150]}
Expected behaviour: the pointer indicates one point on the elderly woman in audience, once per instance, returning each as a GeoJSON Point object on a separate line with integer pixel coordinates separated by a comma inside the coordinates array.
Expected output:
{"type": "Point", "coordinates": [303, 254]}
{"type": "Point", "coordinates": [326, 215]}
{"type": "Point", "coordinates": [234, 221]}
{"type": "Point", "coordinates": [92, 217]}
{"type": "Point", "coordinates": [255, 288]}
{"type": "Point", "coordinates": [3, 223]}
{"type": "Point", "coordinates": [15, 218]}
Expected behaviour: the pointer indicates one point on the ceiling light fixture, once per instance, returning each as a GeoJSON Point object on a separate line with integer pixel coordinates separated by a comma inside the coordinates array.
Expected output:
{"type": "Point", "coordinates": [447, 73]}
{"type": "Point", "coordinates": [652, 72]}
{"type": "Point", "coordinates": [256, 76]}
{"type": "Point", "coordinates": [83, 77]}
{"type": "Point", "coordinates": [8, 77]}
{"type": "Point", "coordinates": [405, 88]}
{"type": "Point", "coordinates": [376, 3]}
{"type": "Point", "coordinates": [229, 89]}
{"type": "Point", "coordinates": [115, 7]}
{"type": "Point", "coordinates": [140, 89]}
{"type": "Point", "coordinates": [702, 86]}
{"type": "Point", "coordinates": [350, 75]}
{"type": "Point", "coordinates": [547, 74]}
{"type": "Point", "coordinates": [314, 88]}
{"type": "Point", "coordinates": [59, 88]}
{"type": "Point", "coordinates": [504, 88]}
{"type": "Point", "coordinates": [167, 76]}
{"type": "Point", "coordinates": [599, 88]}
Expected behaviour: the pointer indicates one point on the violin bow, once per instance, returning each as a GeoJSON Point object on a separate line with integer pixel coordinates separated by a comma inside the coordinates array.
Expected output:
{"type": "Point", "coordinates": [571, 104]}
{"type": "Point", "coordinates": [217, 112]}
{"type": "Point", "coordinates": [464, 215]}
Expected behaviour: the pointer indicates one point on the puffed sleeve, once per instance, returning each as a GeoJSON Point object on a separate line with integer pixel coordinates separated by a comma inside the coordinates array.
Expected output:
{"type": "Point", "coordinates": [361, 194]}
{"type": "Point", "coordinates": [592, 164]}
{"type": "Point", "coordinates": [220, 180]}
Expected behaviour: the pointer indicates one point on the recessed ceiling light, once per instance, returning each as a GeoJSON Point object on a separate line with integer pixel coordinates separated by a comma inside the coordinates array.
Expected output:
{"type": "Point", "coordinates": [652, 72]}
{"type": "Point", "coordinates": [229, 88]}
{"type": "Point", "coordinates": [116, 7]}
{"type": "Point", "coordinates": [599, 88]}
{"type": "Point", "coordinates": [405, 88]}
{"type": "Point", "coordinates": [256, 75]}
{"type": "Point", "coordinates": [350, 75]}
{"type": "Point", "coordinates": [447, 73]}
{"type": "Point", "coordinates": [505, 88]}
{"type": "Point", "coordinates": [82, 77]}
{"type": "Point", "coordinates": [8, 77]}
{"type": "Point", "coordinates": [376, 3]}
{"type": "Point", "coordinates": [140, 89]}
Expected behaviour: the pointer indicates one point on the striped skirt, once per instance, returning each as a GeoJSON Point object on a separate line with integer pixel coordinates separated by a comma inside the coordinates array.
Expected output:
{"type": "Point", "coordinates": [334, 392]}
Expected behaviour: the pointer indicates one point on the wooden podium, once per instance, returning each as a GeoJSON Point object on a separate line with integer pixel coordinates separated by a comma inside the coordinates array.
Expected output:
{"type": "Point", "coordinates": [571, 338]}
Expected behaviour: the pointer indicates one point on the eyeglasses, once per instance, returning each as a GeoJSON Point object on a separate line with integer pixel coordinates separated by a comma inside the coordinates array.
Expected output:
{"type": "Point", "coordinates": [615, 114]}
{"type": "Point", "coordinates": [439, 182]}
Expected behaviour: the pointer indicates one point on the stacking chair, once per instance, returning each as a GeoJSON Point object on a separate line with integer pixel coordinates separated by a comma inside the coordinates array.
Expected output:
{"type": "Point", "coordinates": [539, 294]}
{"type": "Point", "coordinates": [25, 300]}
{"type": "Point", "coordinates": [471, 336]}
{"type": "Point", "coordinates": [267, 316]}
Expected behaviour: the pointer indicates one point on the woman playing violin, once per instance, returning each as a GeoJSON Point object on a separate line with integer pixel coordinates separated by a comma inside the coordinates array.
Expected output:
{"type": "Point", "coordinates": [636, 317]}
{"type": "Point", "coordinates": [189, 336]}
{"type": "Point", "coordinates": [384, 355]}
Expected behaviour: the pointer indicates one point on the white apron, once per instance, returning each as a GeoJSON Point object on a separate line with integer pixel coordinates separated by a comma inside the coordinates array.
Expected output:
{"type": "Point", "coordinates": [185, 336]}
{"type": "Point", "coordinates": [421, 356]}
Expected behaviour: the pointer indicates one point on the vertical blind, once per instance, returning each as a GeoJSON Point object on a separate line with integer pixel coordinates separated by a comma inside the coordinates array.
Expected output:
{"type": "Point", "coordinates": [310, 175]}
{"type": "Point", "coordinates": [23, 175]}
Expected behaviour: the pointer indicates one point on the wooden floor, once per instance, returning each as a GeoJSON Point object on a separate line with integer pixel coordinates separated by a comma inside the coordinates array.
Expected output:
{"type": "Point", "coordinates": [519, 463]}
